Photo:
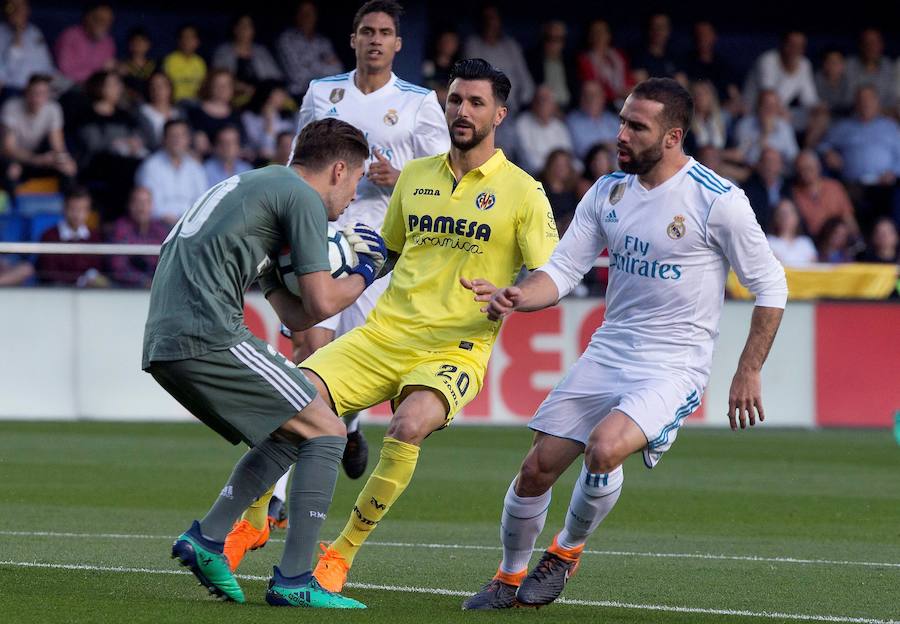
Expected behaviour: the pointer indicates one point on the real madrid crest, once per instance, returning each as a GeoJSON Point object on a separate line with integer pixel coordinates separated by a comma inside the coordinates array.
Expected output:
{"type": "Point", "coordinates": [336, 95]}
{"type": "Point", "coordinates": [676, 229]}
{"type": "Point", "coordinates": [391, 117]}
{"type": "Point", "coordinates": [485, 201]}
{"type": "Point", "coordinates": [617, 192]}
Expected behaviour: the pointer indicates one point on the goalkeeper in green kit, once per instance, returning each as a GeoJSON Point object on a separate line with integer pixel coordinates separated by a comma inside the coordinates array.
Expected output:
{"type": "Point", "coordinates": [199, 350]}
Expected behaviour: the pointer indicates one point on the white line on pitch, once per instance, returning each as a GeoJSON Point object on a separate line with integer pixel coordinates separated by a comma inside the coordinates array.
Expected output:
{"type": "Point", "coordinates": [452, 592]}
{"type": "Point", "coordinates": [608, 553]}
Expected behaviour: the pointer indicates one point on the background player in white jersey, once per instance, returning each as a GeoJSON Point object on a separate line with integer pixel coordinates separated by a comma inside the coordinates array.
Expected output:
{"type": "Point", "coordinates": [401, 121]}
{"type": "Point", "coordinates": [673, 228]}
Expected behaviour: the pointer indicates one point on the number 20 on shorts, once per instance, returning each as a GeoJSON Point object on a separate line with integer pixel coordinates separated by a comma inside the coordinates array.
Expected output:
{"type": "Point", "coordinates": [462, 380]}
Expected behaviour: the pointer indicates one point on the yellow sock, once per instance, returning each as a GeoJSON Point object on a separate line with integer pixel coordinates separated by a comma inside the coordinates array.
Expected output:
{"type": "Point", "coordinates": [258, 510]}
{"type": "Point", "coordinates": [385, 485]}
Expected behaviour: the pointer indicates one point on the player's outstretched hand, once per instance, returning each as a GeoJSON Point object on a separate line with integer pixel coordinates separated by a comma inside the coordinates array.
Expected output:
{"type": "Point", "coordinates": [744, 397]}
{"type": "Point", "coordinates": [502, 303]}
{"type": "Point", "coordinates": [365, 240]}
{"type": "Point", "coordinates": [482, 288]}
{"type": "Point", "coordinates": [381, 173]}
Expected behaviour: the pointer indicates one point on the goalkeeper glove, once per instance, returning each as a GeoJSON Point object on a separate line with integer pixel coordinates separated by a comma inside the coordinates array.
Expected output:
{"type": "Point", "coordinates": [366, 242]}
{"type": "Point", "coordinates": [367, 267]}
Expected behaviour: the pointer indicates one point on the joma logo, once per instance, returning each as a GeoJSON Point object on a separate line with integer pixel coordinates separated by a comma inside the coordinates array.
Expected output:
{"type": "Point", "coordinates": [425, 191]}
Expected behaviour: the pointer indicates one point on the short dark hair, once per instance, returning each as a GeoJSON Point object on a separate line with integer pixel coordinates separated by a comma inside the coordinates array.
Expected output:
{"type": "Point", "coordinates": [229, 127]}
{"type": "Point", "coordinates": [39, 78]}
{"type": "Point", "coordinates": [390, 7]}
{"type": "Point", "coordinates": [678, 105]}
{"type": "Point", "coordinates": [138, 31]}
{"type": "Point", "coordinates": [90, 7]}
{"type": "Point", "coordinates": [186, 27]}
{"type": "Point", "coordinates": [866, 86]}
{"type": "Point", "coordinates": [178, 121]}
{"type": "Point", "coordinates": [480, 69]}
{"type": "Point", "coordinates": [325, 141]}
{"type": "Point", "coordinates": [76, 192]}
{"type": "Point", "coordinates": [93, 86]}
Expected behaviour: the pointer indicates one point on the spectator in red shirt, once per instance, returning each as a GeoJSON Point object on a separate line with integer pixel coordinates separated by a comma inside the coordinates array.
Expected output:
{"type": "Point", "coordinates": [72, 269]}
{"type": "Point", "coordinates": [819, 198]}
{"type": "Point", "coordinates": [88, 47]}
{"type": "Point", "coordinates": [138, 227]}
{"type": "Point", "coordinates": [604, 63]}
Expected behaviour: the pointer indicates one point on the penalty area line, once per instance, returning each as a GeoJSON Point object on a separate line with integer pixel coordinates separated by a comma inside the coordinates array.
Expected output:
{"type": "Point", "coordinates": [841, 619]}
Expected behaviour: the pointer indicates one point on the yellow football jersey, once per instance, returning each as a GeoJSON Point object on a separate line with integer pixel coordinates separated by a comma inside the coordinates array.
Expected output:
{"type": "Point", "coordinates": [488, 224]}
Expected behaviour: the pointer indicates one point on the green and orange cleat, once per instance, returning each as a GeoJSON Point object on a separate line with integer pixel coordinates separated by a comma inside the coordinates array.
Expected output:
{"type": "Point", "coordinates": [305, 591]}
{"type": "Point", "coordinates": [204, 558]}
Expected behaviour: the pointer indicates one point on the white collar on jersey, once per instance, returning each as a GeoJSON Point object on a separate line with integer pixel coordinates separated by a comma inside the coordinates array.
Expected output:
{"type": "Point", "coordinates": [671, 181]}
{"type": "Point", "coordinates": [67, 233]}
{"type": "Point", "coordinates": [387, 85]}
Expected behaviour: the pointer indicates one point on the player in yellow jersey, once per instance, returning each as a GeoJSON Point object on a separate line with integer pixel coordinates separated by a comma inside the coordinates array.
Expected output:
{"type": "Point", "coordinates": [425, 346]}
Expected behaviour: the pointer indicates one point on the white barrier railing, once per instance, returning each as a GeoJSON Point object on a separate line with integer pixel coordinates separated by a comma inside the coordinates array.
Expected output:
{"type": "Point", "coordinates": [111, 249]}
{"type": "Point", "coordinates": [94, 249]}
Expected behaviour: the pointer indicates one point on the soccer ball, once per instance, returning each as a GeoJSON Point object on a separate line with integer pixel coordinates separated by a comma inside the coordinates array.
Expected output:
{"type": "Point", "coordinates": [340, 255]}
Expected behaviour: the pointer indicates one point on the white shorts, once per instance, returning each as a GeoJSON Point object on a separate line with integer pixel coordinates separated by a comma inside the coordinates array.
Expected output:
{"type": "Point", "coordinates": [356, 313]}
{"type": "Point", "coordinates": [590, 391]}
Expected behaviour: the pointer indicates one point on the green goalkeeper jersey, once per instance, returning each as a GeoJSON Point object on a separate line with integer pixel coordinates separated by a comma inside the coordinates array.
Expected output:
{"type": "Point", "coordinates": [217, 250]}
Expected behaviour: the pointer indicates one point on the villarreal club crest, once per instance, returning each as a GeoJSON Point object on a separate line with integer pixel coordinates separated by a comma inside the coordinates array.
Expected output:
{"type": "Point", "coordinates": [485, 200]}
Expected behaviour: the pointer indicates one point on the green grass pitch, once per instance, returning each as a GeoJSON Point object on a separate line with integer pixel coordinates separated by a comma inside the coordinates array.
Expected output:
{"type": "Point", "coordinates": [759, 526]}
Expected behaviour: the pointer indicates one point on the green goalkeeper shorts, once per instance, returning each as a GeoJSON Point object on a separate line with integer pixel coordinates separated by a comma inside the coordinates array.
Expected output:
{"type": "Point", "coordinates": [243, 393]}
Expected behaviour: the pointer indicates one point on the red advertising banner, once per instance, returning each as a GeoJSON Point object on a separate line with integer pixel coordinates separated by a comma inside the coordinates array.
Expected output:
{"type": "Point", "coordinates": [857, 364]}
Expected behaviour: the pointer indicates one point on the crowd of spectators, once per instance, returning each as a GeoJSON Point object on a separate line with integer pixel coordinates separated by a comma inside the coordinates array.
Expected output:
{"type": "Point", "coordinates": [132, 139]}
{"type": "Point", "coordinates": [815, 145]}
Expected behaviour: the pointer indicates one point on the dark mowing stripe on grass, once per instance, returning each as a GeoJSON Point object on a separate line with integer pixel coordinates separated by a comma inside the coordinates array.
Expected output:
{"type": "Point", "coordinates": [840, 619]}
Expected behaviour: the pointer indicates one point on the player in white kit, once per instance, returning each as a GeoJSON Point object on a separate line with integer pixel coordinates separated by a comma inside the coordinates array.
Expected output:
{"type": "Point", "coordinates": [673, 228]}
{"type": "Point", "coordinates": [401, 121]}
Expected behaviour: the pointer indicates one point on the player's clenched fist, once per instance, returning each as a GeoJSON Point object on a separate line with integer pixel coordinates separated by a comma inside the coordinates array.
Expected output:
{"type": "Point", "coordinates": [502, 303]}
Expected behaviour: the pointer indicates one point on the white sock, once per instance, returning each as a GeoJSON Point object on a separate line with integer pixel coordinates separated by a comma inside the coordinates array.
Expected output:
{"type": "Point", "coordinates": [593, 498]}
{"type": "Point", "coordinates": [352, 421]}
{"type": "Point", "coordinates": [281, 486]}
{"type": "Point", "coordinates": [522, 521]}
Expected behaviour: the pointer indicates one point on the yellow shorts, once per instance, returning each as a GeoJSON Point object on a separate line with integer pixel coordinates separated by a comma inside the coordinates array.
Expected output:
{"type": "Point", "coordinates": [363, 368]}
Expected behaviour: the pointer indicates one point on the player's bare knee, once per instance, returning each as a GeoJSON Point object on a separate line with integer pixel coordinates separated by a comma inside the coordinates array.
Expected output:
{"type": "Point", "coordinates": [602, 455]}
{"type": "Point", "coordinates": [406, 429]}
{"type": "Point", "coordinates": [532, 479]}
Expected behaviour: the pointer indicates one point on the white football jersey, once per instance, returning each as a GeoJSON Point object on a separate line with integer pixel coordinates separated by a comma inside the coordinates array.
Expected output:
{"type": "Point", "coordinates": [669, 253]}
{"type": "Point", "coordinates": [403, 121]}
